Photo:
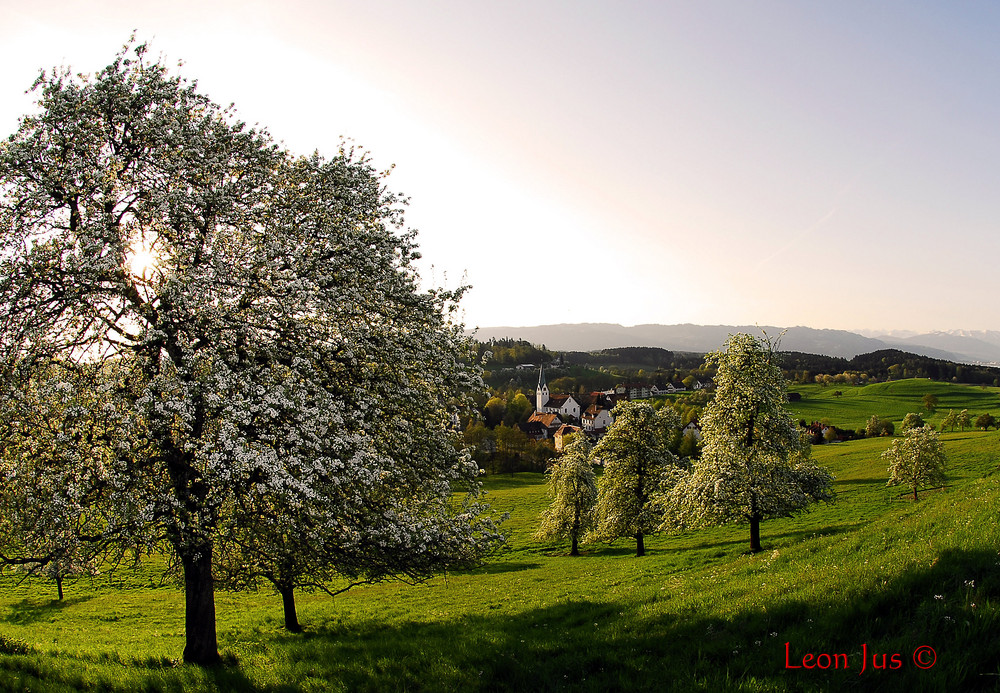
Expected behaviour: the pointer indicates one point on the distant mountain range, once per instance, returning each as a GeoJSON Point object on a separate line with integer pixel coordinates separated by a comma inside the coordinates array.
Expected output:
{"type": "Point", "coordinates": [960, 346]}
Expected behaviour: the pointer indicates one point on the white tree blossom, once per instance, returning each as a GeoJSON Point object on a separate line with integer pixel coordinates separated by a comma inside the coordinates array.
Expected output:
{"type": "Point", "coordinates": [573, 487]}
{"type": "Point", "coordinates": [54, 469]}
{"type": "Point", "coordinates": [637, 458]}
{"type": "Point", "coordinates": [266, 311]}
{"type": "Point", "coordinates": [755, 463]}
{"type": "Point", "coordinates": [916, 459]}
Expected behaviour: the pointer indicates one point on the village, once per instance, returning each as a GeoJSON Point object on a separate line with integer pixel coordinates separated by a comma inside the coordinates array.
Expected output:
{"type": "Point", "coordinates": [559, 415]}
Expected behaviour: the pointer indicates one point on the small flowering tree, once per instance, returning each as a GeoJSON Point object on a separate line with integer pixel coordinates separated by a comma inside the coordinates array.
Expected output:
{"type": "Point", "coordinates": [573, 487]}
{"type": "Point", "coordinates": [637, 457]}
{"type": "Point", "coordinates": [53, 475]}
{"type": "Point", "coordinates": [950, 420]}
{"type": "Point", "coordinates": [754, 463]}
{"type": "Point", "coordinates": [964, 419]}
{"type": "Point", "coordinates": [916, 459]}
{"type": "Point", "coordinates": [266, 312]}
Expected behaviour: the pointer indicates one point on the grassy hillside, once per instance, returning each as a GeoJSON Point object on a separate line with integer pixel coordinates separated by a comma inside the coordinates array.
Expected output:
{"type": "Point", "coordinates": [871, 572]}
{"type": "Point", "coordinates": [894, 400]}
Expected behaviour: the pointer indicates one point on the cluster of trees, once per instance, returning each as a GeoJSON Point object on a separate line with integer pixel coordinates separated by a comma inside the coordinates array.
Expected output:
{"type": "Point", "coordinates": [510, 408]}
{"type": "Point", "coordinates": [629, 360]}
{"type": "Point", "coordinates": [511, 352]}
{"type": "Point", "coordinates": [961, 419]}
{"type": "Point", "coordinates": [878, 426]}
{"type": "Point", "coordinates": [507, 449]}
{"type": "Point", "coordinates": [821, 432]}
{"type": "Point", "coordinates": [845, 378]}
{"type": "Point", "coordinates": [754, 462]}
{"type": "Point", "coordinates": [582, 380]}
{"type": "Point", "coordinates": [882, 365]}
{"type": "Point", "coordinates": [213, 348]}
{"type": "Point", "coordinates": [577, 372]}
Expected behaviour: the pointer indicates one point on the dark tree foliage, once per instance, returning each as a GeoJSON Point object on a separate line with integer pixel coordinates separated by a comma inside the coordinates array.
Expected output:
{"type": "Point", "coordinates": [511, 352]}
{"type": "Point", "coordinates": [892, 363]}
{"type": "Point", "coordinates": [631, 358]}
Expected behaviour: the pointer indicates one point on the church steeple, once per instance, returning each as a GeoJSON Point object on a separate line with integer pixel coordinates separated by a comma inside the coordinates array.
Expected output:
{"type": "Point", "coordinates": [542, 391]}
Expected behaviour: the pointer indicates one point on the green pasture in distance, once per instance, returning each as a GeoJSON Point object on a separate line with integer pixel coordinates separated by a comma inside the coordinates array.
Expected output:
{"type": "Point", "coordinates": [872, 571]}
{"type": "Point", "coordinates": [893, 400]}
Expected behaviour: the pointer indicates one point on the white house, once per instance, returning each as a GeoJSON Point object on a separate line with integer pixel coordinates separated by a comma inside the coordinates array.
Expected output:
{"type": "Point", "coordinates": [596, 418]}
{"type": "Point", "coordinates": [692, 429]}
{"type": "Point", "coordinates": [633, 391]}
{"type": "Point", "coordinates": [563, 405]}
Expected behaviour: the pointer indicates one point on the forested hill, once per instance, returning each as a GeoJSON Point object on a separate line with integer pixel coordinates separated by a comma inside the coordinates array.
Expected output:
{"type": "Point", "coordinates": [888, 364]}
{"type": "Point", "coordinates": [666, 365]}
{"type": "Point", "coordinates": [959, 346]}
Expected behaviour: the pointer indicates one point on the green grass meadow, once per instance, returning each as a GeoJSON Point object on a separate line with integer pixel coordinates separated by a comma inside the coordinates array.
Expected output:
{"type": "Point", "coordinates": [893, 400]}
{"type": "Point", "coordinates": [871, 573]}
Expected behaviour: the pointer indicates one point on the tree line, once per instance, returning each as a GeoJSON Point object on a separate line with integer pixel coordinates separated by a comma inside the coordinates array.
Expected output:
{"type": "Point", "coordinates": [883, 365]}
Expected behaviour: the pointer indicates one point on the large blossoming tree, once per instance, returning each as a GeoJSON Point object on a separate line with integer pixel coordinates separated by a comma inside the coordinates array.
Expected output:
{"type": "Point", "coordinates": [638, 461]}
{"type": "Point", "coordinates": [273, 350]}
{"type": "Point", "coordinates": [754, 463]}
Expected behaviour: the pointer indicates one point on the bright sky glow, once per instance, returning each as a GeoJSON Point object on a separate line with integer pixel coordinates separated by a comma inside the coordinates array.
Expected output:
{"type": "Point", "coordinates": [833, 164]}
{"type": "Point", "coordinates": [142, 263]}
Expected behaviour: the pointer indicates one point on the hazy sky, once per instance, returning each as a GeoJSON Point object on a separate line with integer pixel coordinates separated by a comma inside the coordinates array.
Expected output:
{"type": "Point", "coordinates": [833, 164]}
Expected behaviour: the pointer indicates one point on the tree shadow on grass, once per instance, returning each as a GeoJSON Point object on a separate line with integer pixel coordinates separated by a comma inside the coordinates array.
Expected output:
{"type": "Point", "coordinates": [768, 541]}
{"type": "Point", "coordinates": [503, 482]}
{"type": "Point", "coordinates": [592, 645]}
{"type": "Point", "coordinates": [860, 481]}
{"type": "Point", "coordinates": [653, 642]}
{"type": "Point", "coordinates": [500, 566]}
{"type": "Point", "coordinates": [29, 611]}
{"type": "Point", "coordinates": [827, 531]}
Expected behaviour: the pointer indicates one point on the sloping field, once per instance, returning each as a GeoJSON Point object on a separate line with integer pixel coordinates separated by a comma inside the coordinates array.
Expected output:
{"type": "Point", "coordinates": [872, 574]}
{"type": "Point", "coordinates": [852, 408]}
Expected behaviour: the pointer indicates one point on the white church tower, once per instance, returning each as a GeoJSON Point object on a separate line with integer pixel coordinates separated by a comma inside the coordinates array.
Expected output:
{"type": "Point", "coordinates": [541, 392]}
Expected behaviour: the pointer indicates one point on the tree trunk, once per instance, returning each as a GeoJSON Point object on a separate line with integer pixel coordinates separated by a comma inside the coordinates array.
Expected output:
{"type": "Point", "coordinates": [914, 498]}
{"type": "Point", "coordinates": [288, 602]}
{"type": "Point", "coordinates": [640, 545]}
{"type": "Point", "coordinates": [754, 533]}
{"type": "Point", "coordinates": [201, 646]}
{"type": "Point", "coordinates": [574, 549]}
{"type": "Point", "coordinates": [59, 586]}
